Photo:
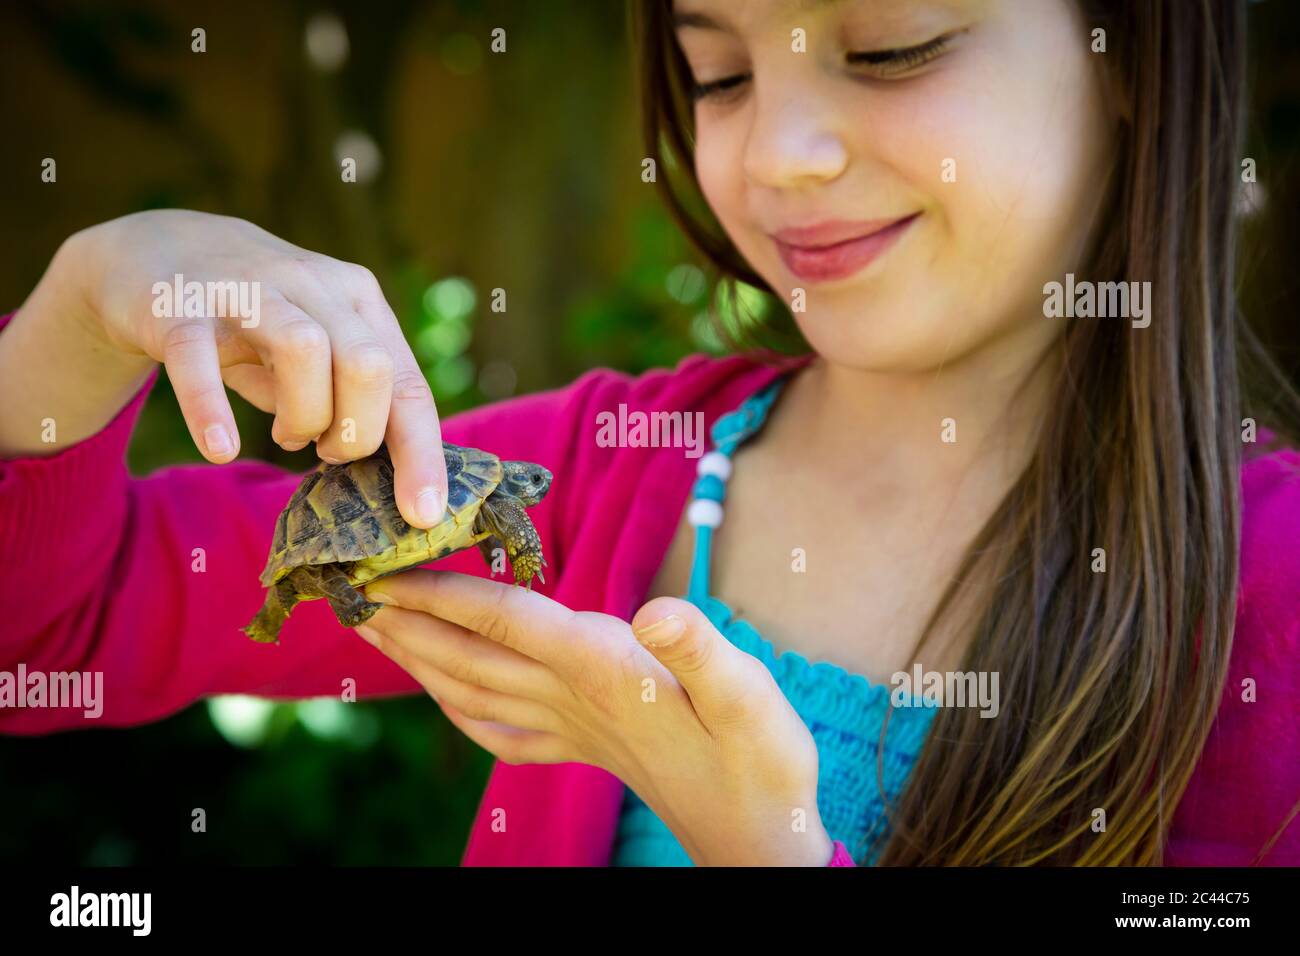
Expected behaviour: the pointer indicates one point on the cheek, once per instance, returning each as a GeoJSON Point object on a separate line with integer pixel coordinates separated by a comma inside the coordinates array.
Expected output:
{"type": "Point", "coordinates": [719, 158]}
{"type": "Point", "coordinates": [1028, 147]}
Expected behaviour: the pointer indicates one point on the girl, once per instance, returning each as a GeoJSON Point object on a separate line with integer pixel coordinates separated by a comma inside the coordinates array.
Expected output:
{"type": "Point", "coordinates": [952, 480]}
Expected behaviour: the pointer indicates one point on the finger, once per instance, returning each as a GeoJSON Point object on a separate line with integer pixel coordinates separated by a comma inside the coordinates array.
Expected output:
{"type": "Point", "coordinates": [511, 744]}
{"type": "Point", "coordinates": [415, 443]}
{"type": "Point", "coordinates": [189, 352]}
{"type": "Point", "coordinates": [295, 349]}
{"type": "Point", "coordinates": [480, 703]}
{"type": "Point", "coordinates": [414, 434]}
{"type": "Point", "coordinates": [362, 381]}
{"type": "Point", "coordinates": [523, 620]}
{"type": "Point", "coordinates": [718, 676]}
{"type": "Point", "coordinates": [465, 656]}
{"type": "Point", "coordinates": [254, 383]}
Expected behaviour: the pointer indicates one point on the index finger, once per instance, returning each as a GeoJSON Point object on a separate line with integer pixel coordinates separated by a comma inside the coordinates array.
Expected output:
{"type": "Point", "coordinates": [526, 621]}
{"type": "Point", "coordinates": [414, 433]}
{"type": "Point", "coordinates": [414, 439]}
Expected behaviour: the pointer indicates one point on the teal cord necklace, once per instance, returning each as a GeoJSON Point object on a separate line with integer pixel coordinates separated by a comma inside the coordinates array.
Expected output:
{"type": "Point", "coordinates": [714, 470]}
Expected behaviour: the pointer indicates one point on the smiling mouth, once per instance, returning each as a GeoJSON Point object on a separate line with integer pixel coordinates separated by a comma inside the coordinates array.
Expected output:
{"type": "Point", "coordinates": [841, 259]}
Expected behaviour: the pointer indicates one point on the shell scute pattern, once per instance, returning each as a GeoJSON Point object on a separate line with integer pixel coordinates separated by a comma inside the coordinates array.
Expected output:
{"type": "Point", "coordinates": [341, 530]}
{"type": "Point", "coordinates": [346, 513]}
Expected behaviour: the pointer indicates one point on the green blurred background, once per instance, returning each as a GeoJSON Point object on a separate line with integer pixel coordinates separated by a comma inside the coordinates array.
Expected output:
{"type": "Point", "coordinates": [476, 171]}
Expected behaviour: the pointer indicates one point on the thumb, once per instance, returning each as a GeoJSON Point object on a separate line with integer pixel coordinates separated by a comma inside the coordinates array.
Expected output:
{"type": "Point", "coordinates": [713, 671]}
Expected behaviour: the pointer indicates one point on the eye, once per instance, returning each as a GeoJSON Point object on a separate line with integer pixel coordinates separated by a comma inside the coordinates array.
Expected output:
{"type": "Point", "coordinates": [714, 88]}
{"type": "Point", "coordinates": [893, 62]}
{"type": "Point", "coordinates": [883, 63]}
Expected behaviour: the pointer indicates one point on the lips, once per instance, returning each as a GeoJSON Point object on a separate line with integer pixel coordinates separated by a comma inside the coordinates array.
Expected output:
{"type": "Point", "coordinates": [837, 248]}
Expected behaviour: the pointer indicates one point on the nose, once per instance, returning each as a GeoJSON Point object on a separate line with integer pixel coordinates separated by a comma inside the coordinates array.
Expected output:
{"type": "Point", "coordinates": [794, 136]}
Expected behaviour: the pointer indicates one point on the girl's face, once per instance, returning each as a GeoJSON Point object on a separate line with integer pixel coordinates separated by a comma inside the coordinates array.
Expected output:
{"type": "Point", "coordinates": [963, 141]}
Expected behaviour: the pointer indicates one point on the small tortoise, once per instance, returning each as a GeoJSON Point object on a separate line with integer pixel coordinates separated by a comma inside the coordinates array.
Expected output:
{"type": "Point", "coordinates": [341, 530]}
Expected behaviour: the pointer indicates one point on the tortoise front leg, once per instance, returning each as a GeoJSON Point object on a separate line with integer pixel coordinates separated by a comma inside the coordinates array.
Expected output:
{"type": "Point", "coordinates": [507, 518]}
{"type": "Point", "coordinates": [349, 605]}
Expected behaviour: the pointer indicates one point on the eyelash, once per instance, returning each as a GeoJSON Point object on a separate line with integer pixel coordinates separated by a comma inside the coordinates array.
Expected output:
{"type": "Point", "coordinates": [892, 61]}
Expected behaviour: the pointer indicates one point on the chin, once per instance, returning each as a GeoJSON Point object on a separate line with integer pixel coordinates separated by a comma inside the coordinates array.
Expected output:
{"type": "Point", "coordinates": [875, 339]}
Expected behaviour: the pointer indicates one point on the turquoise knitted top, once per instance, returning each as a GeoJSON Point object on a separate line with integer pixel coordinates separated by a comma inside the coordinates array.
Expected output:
{"type": "Point", "coordinates": [843, 711]}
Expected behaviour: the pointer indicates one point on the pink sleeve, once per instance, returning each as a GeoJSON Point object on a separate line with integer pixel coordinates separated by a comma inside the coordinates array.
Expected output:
{"type": "Point", "coordinates": [146, 581]}
{"type": "Point", "coordinates": [1246, 785]}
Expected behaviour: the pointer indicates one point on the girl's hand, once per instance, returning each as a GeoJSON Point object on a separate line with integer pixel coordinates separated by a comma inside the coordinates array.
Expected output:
{"type": "Point", "coordinates": [696, 727]}
{"type": "Point", "coordinates": [325, 356]}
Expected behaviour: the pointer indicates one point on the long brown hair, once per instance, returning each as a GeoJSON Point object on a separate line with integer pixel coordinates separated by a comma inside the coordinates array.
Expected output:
{"type": "Point", "coordinates": [1110, 682]}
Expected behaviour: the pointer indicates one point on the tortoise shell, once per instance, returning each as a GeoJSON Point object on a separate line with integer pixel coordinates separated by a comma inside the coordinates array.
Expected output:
{"type": "Point", "coordinates": [346, 513]}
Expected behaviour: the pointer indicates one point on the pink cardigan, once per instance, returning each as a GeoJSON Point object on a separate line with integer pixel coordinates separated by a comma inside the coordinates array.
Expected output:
{"type": "Point", "coordinates": [128, 603]}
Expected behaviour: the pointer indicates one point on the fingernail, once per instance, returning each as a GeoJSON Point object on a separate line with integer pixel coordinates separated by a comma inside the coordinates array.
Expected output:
{"type": "Point", "coordinates": [428, 506]}
{"type": "Point", "coordinates": [661, 632]}
{"type": "Point", "coordinates": [379, 597]}
{"type": "Point", "coordinates": [293, 445]}
{"type": "Point", "coordinates": [368, 634]}
{"type": "Point", "coordinates": [218, 441]}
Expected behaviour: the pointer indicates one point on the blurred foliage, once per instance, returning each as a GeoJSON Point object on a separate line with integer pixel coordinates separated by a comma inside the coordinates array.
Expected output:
{"type": "Point", "coordinates": [518, 172]}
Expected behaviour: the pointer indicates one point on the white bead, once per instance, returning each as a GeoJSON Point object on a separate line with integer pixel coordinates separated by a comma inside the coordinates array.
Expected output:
{"type": "Point", "coordinates": [715, 463]}
{"type": "Point", "coordinates": [704, 512]}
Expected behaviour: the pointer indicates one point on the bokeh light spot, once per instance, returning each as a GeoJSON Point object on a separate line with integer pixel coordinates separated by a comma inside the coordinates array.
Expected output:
{"type": "Point", "coordinates": [360, 147]}
{"type": "Point", "coordinates": [686, 283]}
{"type": "Point", "coordinates": [243, 721]}
{"type": "Point", "coordinates": [331, 719]}
{"type": "Point", "coordinates": [326, 41]}
{"type": "Point", "coordinates": [497, 379]}
{"type": "Point", "coordinates": [451, 298]}
{"type": "Point", "coordinates": [452, 376]}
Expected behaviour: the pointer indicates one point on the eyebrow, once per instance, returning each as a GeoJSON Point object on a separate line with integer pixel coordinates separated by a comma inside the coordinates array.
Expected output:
{"type": "Point", "coordinates": [702, 21]}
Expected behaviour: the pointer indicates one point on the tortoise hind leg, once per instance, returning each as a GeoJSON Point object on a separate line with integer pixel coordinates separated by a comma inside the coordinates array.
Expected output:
{"type": "Point", "coordinates": [487, 547]}
{"type": "Point", "coordinates": [280, 600]}
{"type": "Point", "coordinates": [349, 605]}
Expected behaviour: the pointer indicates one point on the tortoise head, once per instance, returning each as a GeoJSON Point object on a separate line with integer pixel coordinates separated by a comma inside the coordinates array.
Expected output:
{"type": "Point", "coordinates": [524, 480]}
